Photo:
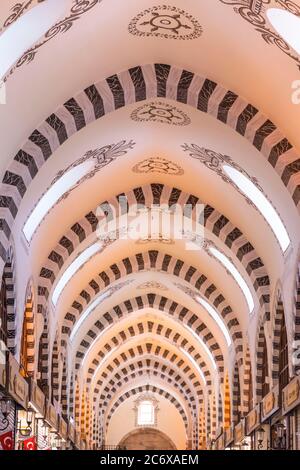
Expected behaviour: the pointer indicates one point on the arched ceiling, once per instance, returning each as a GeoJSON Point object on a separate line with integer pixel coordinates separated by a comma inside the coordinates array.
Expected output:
{"type": "Point", "coordinates": [155, 114]}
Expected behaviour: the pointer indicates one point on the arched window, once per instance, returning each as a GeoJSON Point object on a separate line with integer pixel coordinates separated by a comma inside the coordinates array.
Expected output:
{"type": "Point", "coordinates": [146, 408]}
{"type": "Point", "coordinates": [3, 313]}
{"type": "Point", "coordinates": [146, 415]}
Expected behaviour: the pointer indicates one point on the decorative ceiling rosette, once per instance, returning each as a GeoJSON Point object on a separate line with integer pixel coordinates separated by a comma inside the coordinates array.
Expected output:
{"type": "Point", "coordinates": [167, 22]}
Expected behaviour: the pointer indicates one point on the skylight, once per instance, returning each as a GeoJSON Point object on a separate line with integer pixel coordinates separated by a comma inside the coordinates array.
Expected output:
{"type": "Point", "coordinates": [236, 275]}
{"type": "Point", "coordinates": [27, 30]}
{"type": "Point", "coordinates": [192, 360]}
{"type": "Point", "coordinates": [207, 350]}
{"type": "Point", "coordinates": [73, 268]}
{"type": "Point", "coordinates": [54, 193]}
{"type": "Point", "coordinates": [88, 311]}
{"type": "Point", "coordinates": [214, 314]}
{"type": "Point", "coordinates": [262, 204]}
{"type": "Point", "coordinates": [287, 26]}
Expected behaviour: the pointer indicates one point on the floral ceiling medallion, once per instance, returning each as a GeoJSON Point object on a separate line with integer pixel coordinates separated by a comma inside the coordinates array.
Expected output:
{"type": "Point", "coordinates": [167, 22]}
{"type": "Point", "coordinates": [254, 11]}
{"type": "Point", "coordinates": [158, 165]}
{"type": "Point", "coordinates": [158, 111]}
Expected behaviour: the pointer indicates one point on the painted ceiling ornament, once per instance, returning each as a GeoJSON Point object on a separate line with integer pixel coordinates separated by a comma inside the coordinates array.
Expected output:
{"type": "Point", "coordinates": [78, 8]}
{"type": "Point", "coordinates": [16, 11]}
{"type": "Point", "coordinates": [215, 161]}
{"type": "Point", "coordinates": [158, 111]}
{"type": "Point", "coordinates": [167, 22]}
{"type": "Point", "coordinates": [153, 238]}
{"type": "Point", "coordinates": [158, 165]}
{"type": "Point", "coordinates": [101, 156]}
{"type": "Point", "coordinates": [254, 11]}
{"type": "Point", "coordinates": [153, 285]}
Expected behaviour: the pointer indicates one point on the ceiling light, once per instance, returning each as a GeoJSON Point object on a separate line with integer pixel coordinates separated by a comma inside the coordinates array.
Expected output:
{"type": "Point", "coordinates": [261, 203]}
{"type": "Point", "coordinates": [214, 314]}
{"type": "Point", "coordinates": [287, 26]}
{"type": "Point", "coordinates": [54, 193]}
{"type": "Point", "coordinates": [236, 275]}
{"type": "Point", "coordinates": [73, 268]}
{"type": "Point", "coordinates": [27, 30]}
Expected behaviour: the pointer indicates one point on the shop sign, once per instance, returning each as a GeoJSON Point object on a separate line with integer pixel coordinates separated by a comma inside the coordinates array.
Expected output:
{"type": "Point", "coordinates": [37, 399]}
{"type": "Point", "coordinates": [291, 395]}
{"type": "Point", "coordinates": [78, 440]}
{"type": "Point", "coordinates": [51, 416]}
{"type": "Point", "coordinates": [228, 436]}
{"type": "Point", "coordinates": [63, 428]}
{"type": "Point", "coordinates": [219, 445]}
{"type": "Point", "coordinates": [269, 404]}
{"type": "Point", "coordinates": [72, 435]}
{"type": "Point", "coordinates": [239, 433]}
{"type": "Point", "coordinates": [253, 420]}
{"type": "Point", "coordinates": [17, 386]}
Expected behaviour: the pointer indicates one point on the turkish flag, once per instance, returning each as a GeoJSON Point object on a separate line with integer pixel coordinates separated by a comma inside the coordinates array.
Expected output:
{"type": "Point", "coordinates": [30, 444]}
{"type": "Point", "coordinates": [7, 441]}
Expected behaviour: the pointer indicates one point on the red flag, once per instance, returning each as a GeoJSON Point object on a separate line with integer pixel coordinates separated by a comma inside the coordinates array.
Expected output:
{"type": "Point", "coordinates": [30, 444]}
{"type": "Point", "coordinates": [7, 441]}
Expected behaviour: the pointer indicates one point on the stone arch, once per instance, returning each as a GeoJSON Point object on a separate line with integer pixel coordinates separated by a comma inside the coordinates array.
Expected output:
{"type": "Point", "coordinates": [27, 353]}
{"type": "Point", "coordinates": [165, 442]}
{"type": "Point", "coordinates": [130, 86]}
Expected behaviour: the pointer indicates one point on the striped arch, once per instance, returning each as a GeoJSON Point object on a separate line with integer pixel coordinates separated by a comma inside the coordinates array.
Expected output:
{"type": "Point", "coordinates": [220, 412]}
{"type": "Point", "coordinates": [297, 320]}
{"type": "Point", "coordinates": [77, 407]}
{"type": "Point", "coordinates": [55, 372]}
{"type": "Point", "coordinates": [71, 413]}
{"type": "Point", "coordinates": [64, 391]}
{"type": "Point", "coordinates": [151, 301]}
{"type": "Point", "coordinates": [133, 85]}
{"type": "Point", "coordinates": [9, 279]}
{"type": "Point", "coordinates": [27, 355]}
{"type": "Point", "coordinates": [247, 392]}
{"type": "Point", "coordinates": [227, 403]}
{"type": "Point", "coordinates": [202, 429]}
{"type": "Point", "coordinates": [111, 379]}
{"type": "Point", "coordinates": [143, 349]}
{"type": "Point", "coordinates": [260, 346]}
{"type": "Point", "coordinates": [132, 378]}
{"type": "Point", "coordinates": [236, 395]}
{"type": "Point", "coordinates": [43, 368]}
{"type": "Point", "coordinates": [159, 261]}
{"type": "Point", "coordinates": [83, 413]}
{"type": "Point", "coordinates": [208, 420]}
{"type": "Point", "coordinates": [276, 329]}
{"type": "Point", "coordinates": [142, 389]}
{"type": "Point", "coordinates": [147, 195]}
{"type": "Point", "coordinates": [212, 399]}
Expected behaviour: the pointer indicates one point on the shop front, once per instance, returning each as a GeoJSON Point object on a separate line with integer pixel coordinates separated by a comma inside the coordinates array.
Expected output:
{"type": "Point", "coordinates": [72, 436]}
{"type": "Point", "coordinates": [251, 425]}
{"type": "Point", "coordinates": [63, 434]}
{"type": "Point", "coordinates": [37, 406]}
{"type": "Point", "coordinates": [228, 438]}
{"type": "Point", "coordinates": [241, 441]}
{"type": "Point", "coordinates": [270, 415]}
{"type": "Point", "coordinates": [51, 421]}
{"type": "Point", "coordinates": [7, 407]}
{"type": "Point", "coordinates": [291, 411]}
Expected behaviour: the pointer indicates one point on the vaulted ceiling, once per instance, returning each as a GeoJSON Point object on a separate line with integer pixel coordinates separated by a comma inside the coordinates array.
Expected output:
{"type": "Point", "coordinates": [156, 99]}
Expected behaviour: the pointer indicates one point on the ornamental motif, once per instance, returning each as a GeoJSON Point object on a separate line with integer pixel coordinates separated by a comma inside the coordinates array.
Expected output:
{"type": "Point", "coordinates": [77, 10]}
{"type": "Point", "coordinates": [215, 161]}
{"type": "Point", "coordinates": [158, 165]}
{"type": "Point", "coordinates": [254, 11]}
{"type": "Point", "coordinates": [167, 22]}
{"type": "Point", "coordinates": [153, 285]}
{"type": "Point", "coordinates": [160, 112]}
